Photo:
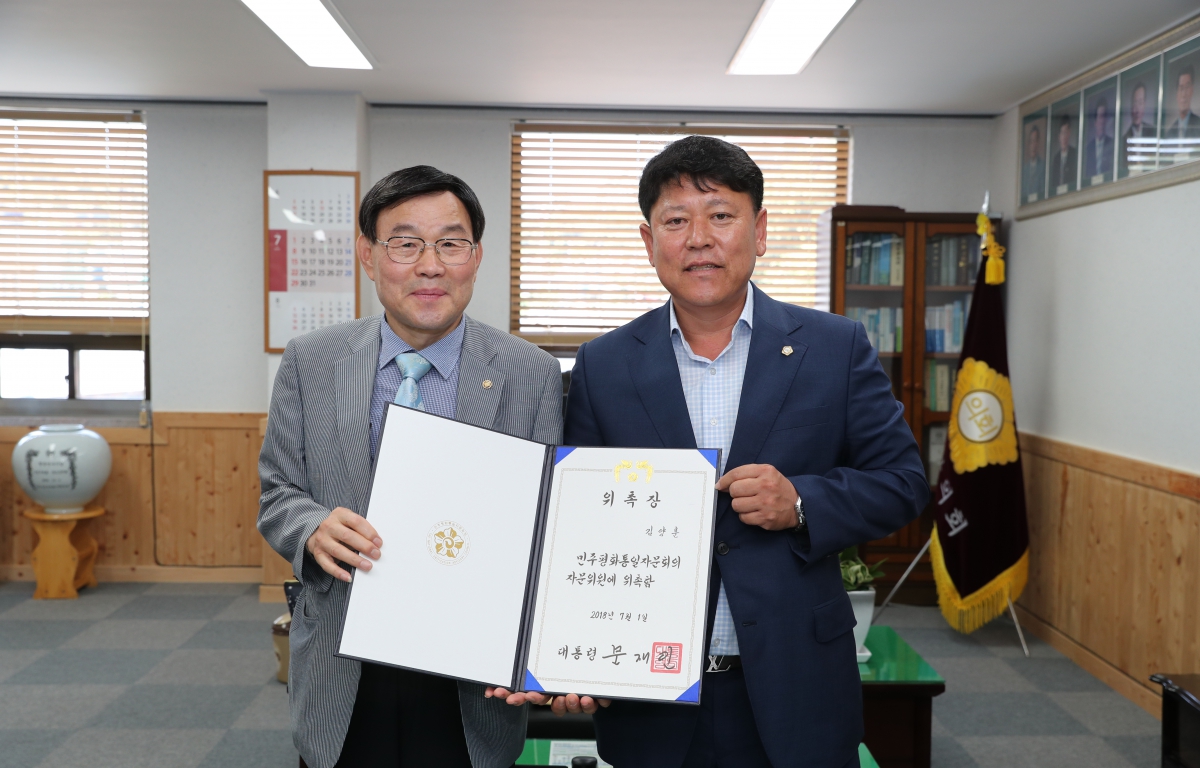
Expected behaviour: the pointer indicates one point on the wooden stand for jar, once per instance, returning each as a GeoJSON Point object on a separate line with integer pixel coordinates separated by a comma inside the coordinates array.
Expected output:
{"type": "Point", "coordinates": [65, 552]}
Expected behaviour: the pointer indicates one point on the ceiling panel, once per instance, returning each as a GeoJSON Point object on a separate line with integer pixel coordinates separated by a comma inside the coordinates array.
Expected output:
{"type": "Point", "coordinates": [918, 56]}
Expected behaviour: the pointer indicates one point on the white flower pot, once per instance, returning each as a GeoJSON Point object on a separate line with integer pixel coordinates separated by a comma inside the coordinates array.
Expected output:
{"type": "Point", "coordinates": [863, 602]}
{"type": "Point", "coordinates": [62, 466]}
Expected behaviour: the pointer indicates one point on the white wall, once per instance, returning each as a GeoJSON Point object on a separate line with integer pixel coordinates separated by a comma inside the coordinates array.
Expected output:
{"type": "Point", "coordinates": [475, 146]}
{"type": "Point", "coordinates": [1103, 343]}
{"type": "Point", "coordinates": [921, 164]}
{"type": "Point", "coordinates": [206, 257]}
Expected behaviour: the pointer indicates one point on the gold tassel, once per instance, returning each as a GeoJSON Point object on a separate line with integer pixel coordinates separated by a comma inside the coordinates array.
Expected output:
{"type": "Point", "coordinates": [995, 271]}
{"type": "Point", "coordinates": [993, 250]}
{"type": "Point", "coordinates": [967, 614]}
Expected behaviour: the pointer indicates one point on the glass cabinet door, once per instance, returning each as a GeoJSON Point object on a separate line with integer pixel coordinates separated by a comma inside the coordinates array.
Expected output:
{"type": "Point", "coordinates": [875, 273]}
{"type": "Point", "coordinates": [947, 272]}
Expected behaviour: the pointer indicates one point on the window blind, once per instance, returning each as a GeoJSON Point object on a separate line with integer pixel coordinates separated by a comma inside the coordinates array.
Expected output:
{"type": "Point", "coordinates": [579, 267]}
{"type": "Point", "coordinates": [73, 221]}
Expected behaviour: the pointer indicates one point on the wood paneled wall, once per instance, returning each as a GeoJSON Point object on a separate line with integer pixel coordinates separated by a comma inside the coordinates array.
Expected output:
{"type": "Point", "coordinates": [1114, 569]}
{"type": "Point", "coordinates": [181, 502]}
{"type": "Point", "coordinates": [206, 489]}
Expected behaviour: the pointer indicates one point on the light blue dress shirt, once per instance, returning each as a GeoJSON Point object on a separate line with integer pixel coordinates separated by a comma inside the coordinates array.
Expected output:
{"type": "Point", "coordinates": [438, 388]}
{"type": "Point", "coordinates": [713, 389]}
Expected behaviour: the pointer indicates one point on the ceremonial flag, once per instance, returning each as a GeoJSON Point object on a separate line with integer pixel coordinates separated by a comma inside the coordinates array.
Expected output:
{"type": "Point", "coordinates": [980, 545]}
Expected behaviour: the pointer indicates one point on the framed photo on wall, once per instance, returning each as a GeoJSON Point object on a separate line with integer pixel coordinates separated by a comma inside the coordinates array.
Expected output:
{"type": "Point", "coordinates": [1033, 157]}
{"type": "Point", "coordinates": [1064, 146]}
{"type": "Point", "coordinates": [1099, 146]}
{"type": "Point", "coordinates": [1137, 123]}
{"type": "Point", "coordinates": [310, 272]}
{"type": "Point", "coordinates": [1180, 141]}
{"type": "Point", "coordinates": [1127, 126]}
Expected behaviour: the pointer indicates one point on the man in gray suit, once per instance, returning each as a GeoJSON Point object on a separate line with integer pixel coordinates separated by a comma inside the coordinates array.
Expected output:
{"type": "Point", "coordinates": [420, 244]}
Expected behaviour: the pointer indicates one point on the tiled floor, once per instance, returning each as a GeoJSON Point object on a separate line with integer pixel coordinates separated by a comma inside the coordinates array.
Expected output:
{"type": "Point", "coordinates": [166, 675]}
{"type": "Point", "coordinates": [130, 675]}
{"type": "Point", "coordinates": [1002, 710]}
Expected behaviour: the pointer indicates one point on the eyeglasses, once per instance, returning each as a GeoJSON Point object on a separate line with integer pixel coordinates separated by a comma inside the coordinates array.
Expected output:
{"type": "Point", "coordinates": [406, 250]}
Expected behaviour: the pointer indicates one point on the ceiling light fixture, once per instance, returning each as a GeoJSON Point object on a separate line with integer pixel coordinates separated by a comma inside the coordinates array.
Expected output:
{"type": "Point", "coordinates": [311, 30]}
{"type": "Point", "coordinates": [786, 34]}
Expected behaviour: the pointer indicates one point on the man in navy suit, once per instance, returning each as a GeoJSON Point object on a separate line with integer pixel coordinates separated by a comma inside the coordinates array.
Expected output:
{"type": "Point", "coordinates": [818, 458]}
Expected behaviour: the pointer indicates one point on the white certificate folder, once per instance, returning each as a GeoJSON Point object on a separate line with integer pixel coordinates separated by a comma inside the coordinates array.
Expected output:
{"type": "Point", "coordinates": [534, 567]}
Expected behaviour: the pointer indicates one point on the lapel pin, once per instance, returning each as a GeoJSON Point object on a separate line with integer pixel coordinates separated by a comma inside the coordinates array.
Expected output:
{"type": "Point", "coordinates": [487, 383]}
{"type": "Point", "coordinates": [787, 351]}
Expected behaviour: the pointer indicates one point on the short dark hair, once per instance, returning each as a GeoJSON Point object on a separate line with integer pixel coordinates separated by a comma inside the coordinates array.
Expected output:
{"type": "Point", "coordinates": [1064, 122]}
{"type": "Point", "coordinates": [1139, 85]}
{"type": "Point", "coordinates": [1186, 69]}
{"type": "Point", "coordinates": [703, 160]}
{"type": "Point", "coordinates": [1100, 102]}
{"type": "Point", "coordinates": [1034, 129]}
{"type": "Point", "coordinates": [408, 183]}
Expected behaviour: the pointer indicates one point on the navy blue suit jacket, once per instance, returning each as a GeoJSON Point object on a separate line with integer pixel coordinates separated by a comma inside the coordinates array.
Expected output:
{"type": "Point", "coordinates": [825, 417]}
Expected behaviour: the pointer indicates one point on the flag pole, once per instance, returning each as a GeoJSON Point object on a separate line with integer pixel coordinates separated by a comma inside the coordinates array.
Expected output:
{"type": "Point", "coordinates": [907, 571]}
{"type": "Point", "coordinates": [1013, 612]}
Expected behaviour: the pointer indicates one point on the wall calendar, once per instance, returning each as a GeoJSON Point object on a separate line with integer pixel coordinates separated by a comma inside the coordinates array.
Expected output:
{"type": "Point", "coordinates": [311, 273]}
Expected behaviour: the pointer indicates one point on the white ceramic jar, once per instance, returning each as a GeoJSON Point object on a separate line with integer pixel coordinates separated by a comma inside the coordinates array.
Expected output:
{"type": "Point", "coordinates": [62, 466]}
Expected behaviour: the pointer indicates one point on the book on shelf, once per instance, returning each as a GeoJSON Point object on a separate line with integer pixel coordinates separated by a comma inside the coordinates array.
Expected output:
{"type": "Point", "coordinates": [875, 259]}
{"type": "Point", "coordinates": [935, 451]}
{"type": "Point", "coordinates": [952, 260]}
{"type": "Point", "coordinates": [940, 379]}
{"type": "Point", "coordinates": [884, 326]}
{"type": "Point", "coordinates": [945, 326]}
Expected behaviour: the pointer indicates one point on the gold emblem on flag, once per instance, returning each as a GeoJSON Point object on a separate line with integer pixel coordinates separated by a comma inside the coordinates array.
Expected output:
{"type": "Point", "coordinates": [448, 543]}
{"type": "Point", "coordinates": [982, 430]}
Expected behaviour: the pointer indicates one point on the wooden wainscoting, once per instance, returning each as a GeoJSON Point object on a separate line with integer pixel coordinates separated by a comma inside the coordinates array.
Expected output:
{"type": "Point", "coordinates": [1114, 568]}
{"type": "Point", "coordinates": [206, 489]}
{"type": "Point", "coordinates": [181, 502]}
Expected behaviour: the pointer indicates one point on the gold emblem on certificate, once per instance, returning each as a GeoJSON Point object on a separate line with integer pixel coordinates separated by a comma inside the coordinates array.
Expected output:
{"type": "Point", "coordinates": [448, 543]}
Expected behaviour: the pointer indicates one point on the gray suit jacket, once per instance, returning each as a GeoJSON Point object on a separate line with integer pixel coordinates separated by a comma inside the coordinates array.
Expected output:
{"type": "Point", "coordinates": [317, 456]}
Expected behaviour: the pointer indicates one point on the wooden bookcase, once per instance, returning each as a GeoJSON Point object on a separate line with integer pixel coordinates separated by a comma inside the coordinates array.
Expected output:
{"type": "Point", "coordinates": [897, 309]}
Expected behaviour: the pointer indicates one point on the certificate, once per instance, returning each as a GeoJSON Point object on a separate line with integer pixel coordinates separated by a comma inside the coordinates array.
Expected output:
{"type": "Point", "coordinates": [545, 568]}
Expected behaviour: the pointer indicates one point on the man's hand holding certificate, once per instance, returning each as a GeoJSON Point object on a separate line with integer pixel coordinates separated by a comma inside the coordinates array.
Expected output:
{"type": "Point", "coordinates": [547, 570]}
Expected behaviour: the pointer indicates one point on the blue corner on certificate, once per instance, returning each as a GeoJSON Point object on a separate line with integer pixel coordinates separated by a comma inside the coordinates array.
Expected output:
{"type": "Point", "coordinates": [711, 454]}
{"type": "Point", "coordinates": [531, 683]}
{"type": "Point", "coordinates": [691, 695]}
{"type": "Point", "coordinates": [563, 451]}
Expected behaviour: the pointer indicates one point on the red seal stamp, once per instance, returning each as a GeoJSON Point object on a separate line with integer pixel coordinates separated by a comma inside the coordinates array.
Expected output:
{"type": "Point", "coordinates": [666, 657]}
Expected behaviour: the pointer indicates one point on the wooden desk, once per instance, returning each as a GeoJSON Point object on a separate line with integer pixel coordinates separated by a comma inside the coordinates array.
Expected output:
{"type": "Point", "coordinates": [65, 553]}
{"type": "Point", "coordinates": [898, 691]}
{"type": "Point", "coordinates": [1180, 720]}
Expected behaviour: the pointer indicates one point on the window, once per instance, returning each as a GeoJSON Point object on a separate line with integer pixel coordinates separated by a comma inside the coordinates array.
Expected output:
{"type": "Point", "coordinates": [578, 264]}
{"type": "Point", "coordinates": [74, 259]}
{"type": "Point", "coordinates": [63, 367]}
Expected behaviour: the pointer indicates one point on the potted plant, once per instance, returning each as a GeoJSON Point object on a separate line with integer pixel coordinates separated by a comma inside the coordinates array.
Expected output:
{"type": "Point", "coordinates": [856, 578]}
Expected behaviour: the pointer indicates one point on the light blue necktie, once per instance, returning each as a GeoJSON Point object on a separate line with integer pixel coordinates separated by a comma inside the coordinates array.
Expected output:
{"type": "Point", "coordinates": [412, 367]}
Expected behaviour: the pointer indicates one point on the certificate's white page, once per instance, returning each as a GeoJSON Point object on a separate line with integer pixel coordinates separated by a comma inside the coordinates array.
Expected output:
{"type": "Point", "coordinates": [603, 625]}
{"type": "Point", "coordinates": [418, 607]}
